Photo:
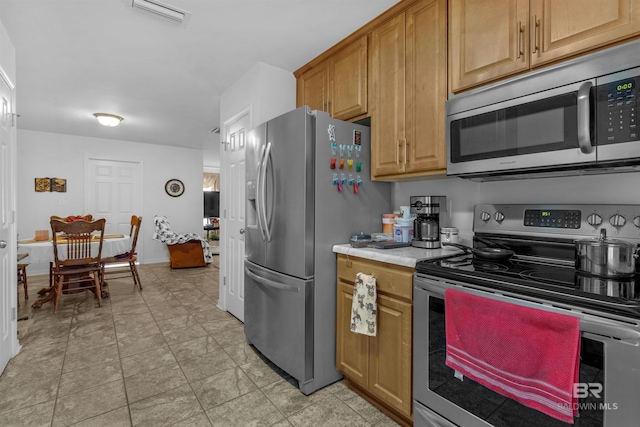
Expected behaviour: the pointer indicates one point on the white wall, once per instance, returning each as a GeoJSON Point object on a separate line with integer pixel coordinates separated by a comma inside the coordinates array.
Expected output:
{"type": "Point", "coordinates": [42, 154]}
{"type": "Point", "coordinates": [462, 195]}
{"type": "Point", "coordinates": [267, 90]}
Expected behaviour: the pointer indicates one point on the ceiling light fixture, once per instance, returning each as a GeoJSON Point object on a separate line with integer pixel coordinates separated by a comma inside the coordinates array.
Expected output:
{"type": "Point", "coordinates": [108, 120]}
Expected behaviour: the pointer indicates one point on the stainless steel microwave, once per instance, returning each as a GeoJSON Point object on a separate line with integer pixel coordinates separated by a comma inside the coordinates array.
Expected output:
{"type": "Point", "coordinates": [576, 117]}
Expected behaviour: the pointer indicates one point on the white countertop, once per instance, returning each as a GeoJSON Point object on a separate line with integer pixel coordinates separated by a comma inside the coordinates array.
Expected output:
{"type": "Point", "coordinates": [407, 256]}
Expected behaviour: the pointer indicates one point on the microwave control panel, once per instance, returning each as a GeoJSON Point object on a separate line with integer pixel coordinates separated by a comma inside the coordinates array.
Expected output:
{"type": "Point", "coordinates": [617, 111]}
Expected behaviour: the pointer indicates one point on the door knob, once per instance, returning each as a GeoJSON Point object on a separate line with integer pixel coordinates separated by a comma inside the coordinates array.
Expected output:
{"type": "Point", "coordinates": [242, 231]}
{"type": "Point", "coordinates": [3, 244]}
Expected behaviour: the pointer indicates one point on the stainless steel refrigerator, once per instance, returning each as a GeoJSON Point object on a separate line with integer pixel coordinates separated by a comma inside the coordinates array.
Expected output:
{"type": "Point", "coordinates": [308, 187]}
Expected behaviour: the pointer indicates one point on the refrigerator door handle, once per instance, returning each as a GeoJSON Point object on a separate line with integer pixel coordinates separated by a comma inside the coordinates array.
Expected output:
{"type": "Point", "coordinates": [270, 283]}
{"type": "Point", "coordinates": [259, 195]}
{"type": "Point", "coordinates": [263, 191]}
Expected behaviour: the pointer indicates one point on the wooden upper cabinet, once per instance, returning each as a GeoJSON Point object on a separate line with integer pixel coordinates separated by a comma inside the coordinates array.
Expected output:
{"type": "Point", "coordinates": [569, 27]}
{"type": "Point", "coordinates": [338, 84]}
{"type": "Point", "coordinates": [487, 40]}
{"type": "Point", "coordinates": [348, 81]}
{"type": "Point", "coordinates": [426, 86]}
{"type": "Point", "coordinates": [407, 92]}
{"type": "Point", "coordinates": [312, 88]}
{"type": "Point", "coordinates": [493, 39]}
{"type": "Point", "coordinates": [387, 91]}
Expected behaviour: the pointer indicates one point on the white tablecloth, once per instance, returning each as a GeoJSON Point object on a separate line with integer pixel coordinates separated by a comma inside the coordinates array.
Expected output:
{"type": "Point", "coordinates": [41, 253]}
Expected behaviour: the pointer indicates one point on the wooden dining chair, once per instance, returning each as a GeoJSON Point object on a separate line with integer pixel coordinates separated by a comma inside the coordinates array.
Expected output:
{"type": "Point", "coordinates": [130, 257]}
{"type": "Point", "coordinates": [22, 280]}
{"type": "Point", "coordinates": [65, 219]}
{"type": "Point", "coordinates": [77, 264]}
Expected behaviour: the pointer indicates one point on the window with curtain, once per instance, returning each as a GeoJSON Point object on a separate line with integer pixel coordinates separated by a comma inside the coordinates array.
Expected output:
{"type": "Point", "coordinates": [210, 181]}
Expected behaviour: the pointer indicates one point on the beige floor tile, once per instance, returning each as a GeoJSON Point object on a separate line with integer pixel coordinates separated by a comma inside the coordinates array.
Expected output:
{"type": "Point", "coordinates": [212, 315]}
{"type": "Point", "coordinates": [91, 376]}
{"type": "Point", "coordinates": [222, 387]}
{"type": "Point", "coordinates": [78, 358]}
{"type": "Point", "coordinates": [143, 362]}
{"type": "Point", "coordinates": [182, 328]}
{"type": "Point", "coordinates": [196, 347]}
{"type": "Point", "coordinates": [206, 365]}
{"type": "Point", "coordinates": [329, 412]}
{"type": "Point", "coordinates": [150, 383]}
{"type": "Point", "coordinates": [166, 408]}
{"type": "Point", "coordinates": [365, 409]}
{"type": "Point", "coordinates": [89, 403]}
{"type": "Point", "coordinates": [263, 373]}
{"type": "Point", "coordinates": [251, 409]}
{"type": "Point", "coordinates": [242, 353]}
{"type": "Point", "coordinates": [32, 416]}
{"type": "Point", "coordinates": [289, 399]}
{"type": "Point", "coordinates": [22, 395]}
{"type": "Point", "coordinates": [117, 418]}
{"type": "Point", "coordinates": [136, 327]}
{"type": "Point", "coordinates": [200, 420]}
{"type": "Point", "coordinates": [132, 345]}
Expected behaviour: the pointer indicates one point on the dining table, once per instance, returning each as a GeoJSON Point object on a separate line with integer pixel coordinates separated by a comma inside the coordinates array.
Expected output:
{"type": "Point", "coordinates": [41, 255]}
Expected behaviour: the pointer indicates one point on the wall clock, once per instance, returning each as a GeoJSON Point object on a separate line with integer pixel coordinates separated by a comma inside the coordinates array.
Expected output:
{"type": "Point", "coordinates": [174, 187]}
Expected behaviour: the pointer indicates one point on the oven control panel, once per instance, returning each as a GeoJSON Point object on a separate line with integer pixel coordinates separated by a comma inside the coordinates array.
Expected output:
{"type": "Point", "coordinates": [562, 220]}
{"type": "Point", "coordinates": [556, 218]}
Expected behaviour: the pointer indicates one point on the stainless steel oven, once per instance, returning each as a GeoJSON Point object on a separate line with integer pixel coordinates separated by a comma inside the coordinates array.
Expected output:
{"type": "Point", "coordinates": [574, 117]}
{"type": "Point", "coordinates": [541, 275]}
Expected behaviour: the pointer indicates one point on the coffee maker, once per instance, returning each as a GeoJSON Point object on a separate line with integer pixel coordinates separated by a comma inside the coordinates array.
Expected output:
{"type": "Point", "coordinates": [430, 213]}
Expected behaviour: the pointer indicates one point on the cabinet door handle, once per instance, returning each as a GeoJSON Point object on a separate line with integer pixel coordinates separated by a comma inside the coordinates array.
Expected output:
{"type": "Point", "coordinates": [398, 151]}
{"type": "Point", "coordinates": [405, 150]}
{"type": "Point", "coordinates": [536, 34]}
{"type": "Point", "coordinates": [520, 40]}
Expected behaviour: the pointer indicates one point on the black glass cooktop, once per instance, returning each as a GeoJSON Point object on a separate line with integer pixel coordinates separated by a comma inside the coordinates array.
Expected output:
{"type": "Point", "coordinates": [555, 281]}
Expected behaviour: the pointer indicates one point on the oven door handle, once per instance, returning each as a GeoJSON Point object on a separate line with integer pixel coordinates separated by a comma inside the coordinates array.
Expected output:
{"type": "Point", "coordinates": [608, 328]}
{"type": "Point", "coordinates": [584, 114]}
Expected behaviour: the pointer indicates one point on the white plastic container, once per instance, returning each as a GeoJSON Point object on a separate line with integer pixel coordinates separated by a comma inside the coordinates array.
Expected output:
{"type": "Point", "coordinates": [403, 233]}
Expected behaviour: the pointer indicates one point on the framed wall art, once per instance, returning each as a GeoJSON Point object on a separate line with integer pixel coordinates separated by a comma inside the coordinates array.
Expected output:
{"type": "Point", "coordinates": [51, 184]}
{"type": "Point", "coordinates": [43, 184]}
{"type": "Point", "coordinates": [174, 187]}
{"type": "Point", "coordinates": [59, 185]}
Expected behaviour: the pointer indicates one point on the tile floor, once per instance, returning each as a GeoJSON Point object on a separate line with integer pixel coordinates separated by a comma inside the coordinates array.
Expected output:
{"type": "Point", "coordinates": [163, 356]}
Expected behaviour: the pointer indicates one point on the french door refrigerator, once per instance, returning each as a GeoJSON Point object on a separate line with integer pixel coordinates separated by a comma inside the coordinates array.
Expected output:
{"type": "Point", "coordinates": [307, 188]}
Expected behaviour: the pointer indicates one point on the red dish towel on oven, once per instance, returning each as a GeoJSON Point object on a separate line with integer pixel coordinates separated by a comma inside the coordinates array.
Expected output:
{"type": "Point", "coordinates": [526, 354]}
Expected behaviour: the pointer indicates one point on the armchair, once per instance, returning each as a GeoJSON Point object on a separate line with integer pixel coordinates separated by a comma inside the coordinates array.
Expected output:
{"type": "Point", "coordinates": [185, 250]}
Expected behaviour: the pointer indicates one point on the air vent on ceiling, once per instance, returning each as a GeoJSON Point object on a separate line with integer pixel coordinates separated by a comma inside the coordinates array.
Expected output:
{"type": "Point", "coordinates": [161, 10]}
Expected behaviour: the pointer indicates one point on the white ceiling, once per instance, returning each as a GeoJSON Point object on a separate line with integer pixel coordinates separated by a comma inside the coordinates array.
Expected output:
{"type": "Point", "coordinates": [78, 57]}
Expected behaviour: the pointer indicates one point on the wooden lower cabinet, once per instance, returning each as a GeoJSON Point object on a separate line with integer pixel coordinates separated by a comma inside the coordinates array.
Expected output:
{"type": "Point", "coordinates": [379, 368]}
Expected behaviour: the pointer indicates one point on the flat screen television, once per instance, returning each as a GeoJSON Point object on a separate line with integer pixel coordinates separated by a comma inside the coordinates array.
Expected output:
{"type": "Point", "coordinates": [211, 204]}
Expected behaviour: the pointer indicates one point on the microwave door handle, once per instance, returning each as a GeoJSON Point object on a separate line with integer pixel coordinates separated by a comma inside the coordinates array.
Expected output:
{"type": "Point", "coordinates": [584, 110]}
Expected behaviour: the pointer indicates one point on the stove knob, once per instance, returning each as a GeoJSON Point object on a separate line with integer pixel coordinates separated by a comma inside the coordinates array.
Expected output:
{"type": "Point", "coordinates": [594, 220]}
{"type": "Point", "coordinates": [485, 216]}
{"type": "Point", "coordinates": [499, 216]}
{"type": "Point", "coordinates": [617, 220]}
{"type": "Point", "coordinates": [636, 221]}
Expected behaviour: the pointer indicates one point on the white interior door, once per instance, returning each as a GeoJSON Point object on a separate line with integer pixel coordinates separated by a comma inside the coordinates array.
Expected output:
{"type": "Point", "coordinates": [113, 191]}
{"type": "Point", "coordinates": [8, 288]}
{"type": "Point", "coordinates": [233, 219]}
